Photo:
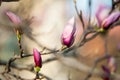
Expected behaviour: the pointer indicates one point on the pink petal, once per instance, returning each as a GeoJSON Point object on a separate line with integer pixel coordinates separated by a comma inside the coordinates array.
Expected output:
{"type": "Point", "coordinates": [68, 33]}
{"type": "Point", "coordinates": [37, 58]}
{"type": "Point", "coordinates": [112, 64]}
{"type": "Point", "coordinates": [105, 69]}
{"type": "Point", "coordinates": [102, 13]}
{"type": "Point", "coordinates": [111, 19]}
{"type": "Point", "coordinates": [14, 18]}
{"type": "Point", "coordinates": [107, 73]}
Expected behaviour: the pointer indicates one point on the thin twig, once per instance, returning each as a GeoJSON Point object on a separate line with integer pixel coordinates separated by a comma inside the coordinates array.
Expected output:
{"type": "Point", "coordinates": [49, 60]}
{"type": "Point", "coordinates": [79, 15]}
{"type": "Point", "coordinates": [90, 4]}
{"type": "Point", "coordinates": [114, 4]}
{"type": "Point", "coordinates": [46, 77]}
{"type": "Point", "coordinates": [9, 0]}
{"type": "Point", "coordinates": [7, 69]}
{"type": "Point", "coordinates": [94, 66]}
{"type": "Point", "coordinates": [115, 24]}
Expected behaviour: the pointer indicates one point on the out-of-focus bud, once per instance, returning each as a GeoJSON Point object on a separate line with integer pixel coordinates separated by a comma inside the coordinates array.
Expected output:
{"type": "Point", "coordinates": [13, 17]}
{"type": "Point", "coordinates": [69, 33]}
{"type": "Point", "coordinates": [112, 64]}
{"type": "Point", "coordinates": [102, 13]}
{"type": "Point", "coordinates": [37, 60]}
{"type": "Point", "coordinates": [110, 68]}
{"type": "Point", "coordinates": [106, 72]}
{"type": "Point", "coordinates": [110, 19]}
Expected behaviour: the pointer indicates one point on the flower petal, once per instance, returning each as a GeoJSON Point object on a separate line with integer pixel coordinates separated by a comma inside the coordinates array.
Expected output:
{"type": "Point", "coordinates": [106, 70]}
{"type": "Point", "coordinates": [111, 19]}
{"type": "Point", "coordinates": [112, 64]}
{"type": "Point", "coordinates": [102, 13]}
{"type": "Point", "coordinates": [37, 58]}
{"type": "Point", "coordinates": [13, 17]}
{"type": "Point", "coordinates": [107, 73]}
{"type": "Point", "coordinates": [68, 33]}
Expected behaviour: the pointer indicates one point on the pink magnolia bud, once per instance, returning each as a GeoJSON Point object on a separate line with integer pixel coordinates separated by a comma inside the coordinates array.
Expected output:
{"type": "Point", "coordinates": [13, 17]}
{"type": "Point", "coordinates": [106, 72]}
{"type": "Point", "coordinates": [112, 64]}
{"type": "Point", "coordinates": [37, 58]}
{"type": "Point", "coordinates": [102, 13]}
{"type": "Point", "coordinates": [68, 33]}
{"type": "Point", "coordinates": [110, 19]}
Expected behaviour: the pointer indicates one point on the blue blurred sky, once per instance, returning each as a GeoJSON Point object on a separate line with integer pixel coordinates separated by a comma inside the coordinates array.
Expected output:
{"type": "Point", "coordinates": [83, 5]}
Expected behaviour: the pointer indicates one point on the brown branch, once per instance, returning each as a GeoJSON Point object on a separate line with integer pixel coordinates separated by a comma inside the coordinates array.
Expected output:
{"type": "Point", "coordinates": [9, 0]}
{"type": "Point", "coordinates": [90, 4]}
{"type": "Point", "coordinates": [84, 38]}
{"type": "Point", "coordinates": [94, 66]}
{"type": "Point", "coordinates": [79, 15]}
{"type": "Point", "coordinates": [42, 76]}
{"type": "Point", "coordinates": [49, 60]}
{"type": "Point", "coordinates": [7, 69]}
{"type": "Point", "coordinates": [114, 4]}
{"type": "Point", "coordinates": [115, 24]}
{"type": "Point", "coordinates": [46, 77]}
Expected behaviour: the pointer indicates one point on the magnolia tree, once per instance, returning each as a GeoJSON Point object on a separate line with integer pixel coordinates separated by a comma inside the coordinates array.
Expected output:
{"type": "Point", "coordinates": [87, 39]}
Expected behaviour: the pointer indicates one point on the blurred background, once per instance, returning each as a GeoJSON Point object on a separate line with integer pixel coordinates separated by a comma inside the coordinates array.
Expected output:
{"type": "Point", "coordinates": [44, 21]}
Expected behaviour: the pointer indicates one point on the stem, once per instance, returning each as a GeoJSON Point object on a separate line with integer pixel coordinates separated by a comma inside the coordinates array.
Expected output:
{"type": "Point", "coordinates": [9, 0]}
{"type": "Point", "coordinates": [37, 76]}
{"type": "Point", "coordinates": [89, 11]}
{"type": "Point", "coordinates": [79, 15]}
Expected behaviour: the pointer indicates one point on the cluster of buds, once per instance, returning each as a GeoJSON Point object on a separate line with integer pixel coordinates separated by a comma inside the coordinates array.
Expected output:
{"type": "Point", "coordinates": [37, 56]}
{"type": "Point", "coordinates": [68, 34]}
{"type": "Point", "coordinates": [110, 68]}
{"type": "Point", "coordinates": [104, 18]}
{"type": "Point", "coordinates": [37, 60]}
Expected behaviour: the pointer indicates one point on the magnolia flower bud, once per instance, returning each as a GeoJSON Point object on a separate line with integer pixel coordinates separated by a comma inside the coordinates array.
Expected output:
{"type": "Point", "coordinates": [112, 64]}
{"type": "Point", "coordinates": [37, 59]}
{"type": "Point", "coordinates": [102, 13]}
{"type": "Point", "coordinates": [13, 17]}
{"type": "Point", "coordinates": [69, 32]}
{"type": "Point", "coordinates": [106, 72]}
{"type": "Point", "coordinates": [110, 19]}
{"type": "Point", "coordinates": [110, 68]}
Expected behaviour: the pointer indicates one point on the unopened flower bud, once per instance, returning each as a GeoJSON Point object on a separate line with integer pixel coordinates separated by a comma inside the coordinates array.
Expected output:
{"type": "Point", "coordinates": [106, 73]}
{"type": "Point", "coordinates": [110, 19]}
{"type": "Point", "coordinates": [13, 17]}
{"type": "Point", "coordinates": [106, 69]}
{"type": "Point", "coordinates": [37, 59]}
{"type": "Point", "coordinates": [69, 32]}
{"type": "Point", "coordinates": [112, 64]}
{"type": "Point", "coordinates": [102, 13]}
